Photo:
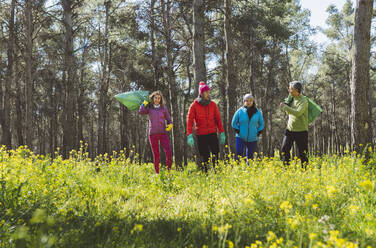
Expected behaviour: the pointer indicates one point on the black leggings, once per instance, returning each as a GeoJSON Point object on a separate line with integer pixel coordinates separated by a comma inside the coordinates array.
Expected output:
{"type": "Point", "coordinates": [206, 144]}
{"type": "Point", "coordinates": [301, 139]}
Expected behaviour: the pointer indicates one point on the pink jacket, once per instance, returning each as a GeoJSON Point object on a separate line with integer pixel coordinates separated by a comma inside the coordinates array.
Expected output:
{"type": "Point", "coordinates": [157, 118]}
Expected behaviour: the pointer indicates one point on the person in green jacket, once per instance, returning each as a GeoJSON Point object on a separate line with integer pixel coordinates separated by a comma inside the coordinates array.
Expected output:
{"type": "Point", "coordinates": [297, 125]}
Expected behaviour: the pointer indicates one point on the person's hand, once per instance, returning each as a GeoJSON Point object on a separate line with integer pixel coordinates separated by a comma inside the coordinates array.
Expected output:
{"type": "Point", "coordinates": [145, 103]}
{"type": "Point", "coordinates": [190, 140]}
{"type": "Point", "coordinates": [223, 138]}
{"type": "Point", "coordinates": [282, 104]}
{"type": "Point", "coordinates": [169, 127]}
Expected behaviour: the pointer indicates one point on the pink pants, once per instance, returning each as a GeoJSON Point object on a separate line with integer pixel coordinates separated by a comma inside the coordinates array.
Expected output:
{"type": "Point", "coordinates": [165, 143]}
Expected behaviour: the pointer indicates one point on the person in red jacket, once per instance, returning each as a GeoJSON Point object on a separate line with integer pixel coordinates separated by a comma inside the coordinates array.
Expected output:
{"type": "Point", "coordinates": [204, 114]}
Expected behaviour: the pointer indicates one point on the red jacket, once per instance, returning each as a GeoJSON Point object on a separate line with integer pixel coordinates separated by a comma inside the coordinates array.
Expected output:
{"type": "Point", "coordinates": [206, 118]}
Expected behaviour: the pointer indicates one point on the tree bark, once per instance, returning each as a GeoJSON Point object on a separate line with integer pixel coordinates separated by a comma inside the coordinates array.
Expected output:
{"type": "Point", "coordinates": [19, 105]}
{"type": "Point", "coordinates": [6, 138]}
{"type": "Point", "coordinates": [155, 60]}
{"type": "Point", "coordinates": [124, 129]}
{"type": "Point", "coordinates": [252, 68]}
{"type": "Point", "coordinates": [52, 114]}
{"type": "Point", "coordinates": [29, 128]}
{"type": "Point", "coordinates": [69, 123]}
{"type": "Point", "coordinates": [81, 108]}
{"type": "Point", "coordinates": [102, 112]}
{"type": "Point", "coordinates": [173, 89]}
{"type": "Point", "coordinates": [199, 68]}
{"type": "Point", "coordinates": [267, 109]}
{"type": "Point", "coordinates": [231, 81]}
{"type": "Point", "coordinates": [186, 98]}
{"type": "Point", "coordinates": [223, 94]}
{"type": "Point", "coordinates": [360, 118]}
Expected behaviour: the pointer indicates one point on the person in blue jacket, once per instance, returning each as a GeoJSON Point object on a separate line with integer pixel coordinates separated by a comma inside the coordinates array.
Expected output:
{"type": "Point", "coordinates": [248, 124]}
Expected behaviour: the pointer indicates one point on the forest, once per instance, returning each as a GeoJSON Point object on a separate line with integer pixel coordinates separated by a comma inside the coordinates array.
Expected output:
{"type": "Point", "coordinates": [75, 163]}
{"type": "Point", "coordinates": [62, 62]}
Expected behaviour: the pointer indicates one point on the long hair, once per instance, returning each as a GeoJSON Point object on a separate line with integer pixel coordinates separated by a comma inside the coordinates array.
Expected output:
{"type": "Point", "coordinates": [158, 92]}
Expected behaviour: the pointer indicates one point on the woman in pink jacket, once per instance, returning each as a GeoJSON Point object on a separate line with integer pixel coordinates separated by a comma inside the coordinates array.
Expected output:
{"type": "Point", "coordinates": [158, 116]}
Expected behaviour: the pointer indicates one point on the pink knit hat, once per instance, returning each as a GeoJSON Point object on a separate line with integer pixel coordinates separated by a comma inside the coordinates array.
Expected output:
{"type": "Point", "coordinates": [203, 87]}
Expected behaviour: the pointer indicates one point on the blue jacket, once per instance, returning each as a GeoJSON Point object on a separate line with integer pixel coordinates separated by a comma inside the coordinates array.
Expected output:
{"type": "Point", "coordinates": [248, 127]}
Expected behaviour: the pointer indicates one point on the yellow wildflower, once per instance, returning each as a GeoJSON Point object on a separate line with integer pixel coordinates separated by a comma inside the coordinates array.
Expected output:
{"type": "Point", "coordinates": [271, 236]}
{"type": "Point", "coordinates": [367, 185]}
{"type": "Point", "coordinates": [312, 236]}
{"type": "Point", "coordinates": [286, 206]}
{"type": "Point", "coordinates": [353, 209]}
{"type": "Point", "coordinates": [331, 190]}
{"type": "Point", "coordinates": [230, 244]}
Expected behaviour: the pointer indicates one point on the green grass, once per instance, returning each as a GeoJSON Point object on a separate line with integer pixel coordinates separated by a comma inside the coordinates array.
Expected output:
{"type": "Point", "coordinates": [67, 203]}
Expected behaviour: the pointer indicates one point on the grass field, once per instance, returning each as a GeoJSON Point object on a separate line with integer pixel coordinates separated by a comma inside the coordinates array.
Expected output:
{"type": "Point", "coordinates": [69, 203]}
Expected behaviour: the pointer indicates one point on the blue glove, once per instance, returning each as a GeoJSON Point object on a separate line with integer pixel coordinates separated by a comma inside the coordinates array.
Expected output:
{"type": "Point", "coordinates": [223, 138]}
{"type": "Point", "coordinates": [190, 141]}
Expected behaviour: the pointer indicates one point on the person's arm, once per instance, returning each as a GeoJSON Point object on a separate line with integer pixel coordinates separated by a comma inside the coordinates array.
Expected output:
{"type": "Point", "coordinates": [167, 116]}
{"type": "Point", "coordinates": [261, 123]}
{"type": "Point", "coordinates": [303, 106]}
{"type": "Point", "coordinates": [143, 110]}
{"type": "Point", "coordinates": [235, 121]}
{"type": "Point", "coordinates": [190, 119]}
{"type": "Point", "coordinates": [217, 117]}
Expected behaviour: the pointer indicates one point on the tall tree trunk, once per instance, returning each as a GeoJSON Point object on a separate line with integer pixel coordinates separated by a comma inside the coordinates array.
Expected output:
{"type": "Point", "coordinates": [92, 136]}
{"type": "Point", "coordinates": [199, 68]}
{"type": "Point", "coordinates": [231, 81]}
{"type": "Point", "coordinates": [348, 105]}
{"type": "Point", "coordinates": [173, 89]}
{"type": "Point", "coordinates": [370, 114]}
{"type": "Point", "coordinates": [267, 133]}
{"type": "Point", "coordinates": [124, 129]}
{"type": "Point", "coordinates": [69, 123]}
{"type": "Point", "coordinates": [102, 114]}
{"type": "Point", "coordinates": [288, 61]}
{"type": "Point", "coordinates": [223, 93]}
{"type": "Point", "coordinates": [19, 105]}
{"type": "Point", "coordinates": [155, 61]}
{"type": "Point", "coordinates": [360, 119]}
{"type": "Point", "coordinates": [267, 107]}
{"type": "Point", "coordinates": [57, 102]}
{"type": "Point", "coordinates": [186, 98]}
{"type": "Point", "coordinates": [6, 138]}
{"type": "Point", "coordinates": [29, 128]}
{"type": "Point", "coordinates": [80, 100]}
{"type": "Point", "coordinates": [252, 67]}
{"type": "Point", "coordinates": [52, 125]}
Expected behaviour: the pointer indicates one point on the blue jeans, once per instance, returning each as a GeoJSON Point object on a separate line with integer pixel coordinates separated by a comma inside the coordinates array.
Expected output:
{"type": "Point", "coordinates": [241, 144]}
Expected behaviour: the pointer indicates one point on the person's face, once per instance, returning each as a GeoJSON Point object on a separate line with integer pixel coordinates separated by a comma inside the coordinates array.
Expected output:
{"type": "Point", "coordinates": [248, 103]}
{"type": "Point", "coordinates": [205, 95]}
{"type": "Point", "coordinates": [293, 92]}
{"type": "Point", "coordinates": [156, 99]}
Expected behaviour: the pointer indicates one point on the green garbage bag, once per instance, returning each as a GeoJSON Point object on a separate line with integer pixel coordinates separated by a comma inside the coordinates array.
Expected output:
{"type": "Point", "coordinates": [313, 109]}
{"type": "Point", "coordinates": [133, 99]}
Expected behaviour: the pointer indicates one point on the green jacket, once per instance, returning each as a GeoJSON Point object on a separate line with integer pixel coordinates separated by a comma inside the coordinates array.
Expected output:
{"type": "Point", "coordinates": [298, 114]}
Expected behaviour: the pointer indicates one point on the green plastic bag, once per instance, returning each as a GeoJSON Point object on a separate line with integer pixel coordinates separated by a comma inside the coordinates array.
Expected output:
{"type": "Point", "coordinates": [313, 109]}
{"type": "Point", "coordinates": [133, 99]}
